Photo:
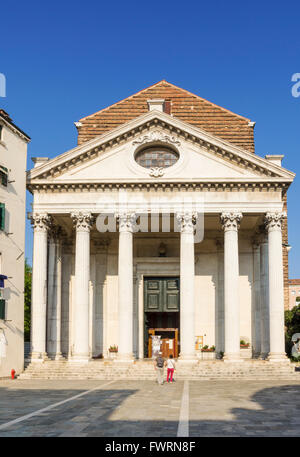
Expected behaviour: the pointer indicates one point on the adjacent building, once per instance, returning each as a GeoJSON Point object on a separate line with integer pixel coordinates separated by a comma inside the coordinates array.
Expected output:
{"type": "Point", "coordinates": [294, 293]}
{"type": "Point", "coordinates": [162, 221]}
{"type": "Point", "coordinates": [13, 156]}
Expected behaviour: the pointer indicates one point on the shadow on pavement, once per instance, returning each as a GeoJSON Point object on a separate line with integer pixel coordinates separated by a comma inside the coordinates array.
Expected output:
{"type": "Point", "coordinates": [276, 412]}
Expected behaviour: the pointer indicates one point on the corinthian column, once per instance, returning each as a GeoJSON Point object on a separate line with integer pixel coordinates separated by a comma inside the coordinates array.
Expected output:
{"type": "Point", "coordinates": [54, 293]}
{"type": "Point", "coordinates": [186, 223]}
{"type": "Point", "coordinates": [264, 295]}
{"type": "Point", "coordinates": [256, 308]}
{"type": "Point", "coordinates": [127, 223]}
{"type": "Point", "coordinates": [230, 223]}
{"type": "Point", "coordinates": [276, 295]}
{"type": "Point", "coordinates": [41, 223]}
{"type": "Point", "coordinates": [82, 222]}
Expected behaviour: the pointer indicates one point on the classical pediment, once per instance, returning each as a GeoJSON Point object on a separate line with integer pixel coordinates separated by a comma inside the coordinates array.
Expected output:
{"type": "Point", "coordinates": [110, 158]}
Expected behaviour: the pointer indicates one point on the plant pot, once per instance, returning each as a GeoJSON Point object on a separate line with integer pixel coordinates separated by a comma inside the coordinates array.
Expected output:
{"type": "Point", "coordinates": [112, 355]}
{"type": "Point", "coordinates": [208, 355]}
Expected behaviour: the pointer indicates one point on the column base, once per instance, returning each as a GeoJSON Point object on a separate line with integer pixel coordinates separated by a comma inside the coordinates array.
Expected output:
{"type": "Point", "coordinates": [188, 358]}
{"type": "Point", "coordinates": [77, 358]}
{"type": "Point", "coordinates": [55, 356]}
{"type": "Point", "coordinates": [124, 358]}
{"type": "Point", "coordinates": [230, 357]}
{"type": "Point", "coordinates": [278, 357]}
{"type": "Point", "coordinates": [59, 356]}
{"type": "Point", "coordinates": [255, 355]}
{"type": "Point", "coordinates": [38, 357]}
{"type": "Point", "coordinates": [263, 355]}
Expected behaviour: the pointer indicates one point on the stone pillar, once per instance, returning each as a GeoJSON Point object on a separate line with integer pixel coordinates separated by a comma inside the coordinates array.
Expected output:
{"type": "Point", "coordinates": [127, 223]}
{"type": "Point", "coordinates": [230, 223]}
{"type": "Point", "coordinates": [187, 286]}
{"type": "Point", "coordinates": [276, 292]}
{"type": "Point", "coordinates": [264, 296]}
{"type": "Point", "coordinates": [219, 313]}
{"type": "Point", "coordinates": [54, 294]}
{"type": "Point", "coordinates": [256, 311]}
{"type": "Point", "coordinates": [82, 222]}
{"type": "Point", "coordinates": [41, 224]}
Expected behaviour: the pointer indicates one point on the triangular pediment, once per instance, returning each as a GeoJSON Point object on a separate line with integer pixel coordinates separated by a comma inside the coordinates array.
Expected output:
{"type": "Point", "coordinates": [110, 157]}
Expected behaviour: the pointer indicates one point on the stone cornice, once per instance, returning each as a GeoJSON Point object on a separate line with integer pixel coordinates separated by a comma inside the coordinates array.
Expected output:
{"type": "Point", "coordinates": [167, 125]}
{"type": "Point", "coordinates": [216, 185]}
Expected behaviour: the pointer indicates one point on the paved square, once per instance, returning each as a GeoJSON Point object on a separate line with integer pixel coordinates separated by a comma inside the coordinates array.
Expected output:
{"type": "Point", "coordinates": [139, 408]}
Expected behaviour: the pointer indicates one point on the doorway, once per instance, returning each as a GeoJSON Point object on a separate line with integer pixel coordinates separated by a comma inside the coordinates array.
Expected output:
{"type": "Point", "coordinates": [161, 315]}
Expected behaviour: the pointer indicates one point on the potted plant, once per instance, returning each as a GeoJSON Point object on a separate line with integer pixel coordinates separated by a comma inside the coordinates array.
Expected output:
{"type": "Point", "coordinates": [244, 345]}
{"type": "Point", "coordinates": [208, 353]}
{"type": "Point", "coordinates": [113, 350]}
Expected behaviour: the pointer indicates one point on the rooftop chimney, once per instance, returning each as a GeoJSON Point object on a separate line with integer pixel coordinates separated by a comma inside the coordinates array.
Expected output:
{"type": "Point", "coordinates": [157, 104]}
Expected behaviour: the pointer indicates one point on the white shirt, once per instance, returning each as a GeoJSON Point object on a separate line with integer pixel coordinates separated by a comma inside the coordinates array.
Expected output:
{"type": "Point", "coordinates": [170, 363]}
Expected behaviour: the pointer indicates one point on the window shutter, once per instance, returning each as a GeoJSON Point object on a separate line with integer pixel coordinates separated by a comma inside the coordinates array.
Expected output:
{"type": "Point", "coordinates": [3, 175]}
{"type": "Point", "coordinates": [2, 309]}
{"type": "Point", "coordinates": [2, 216]}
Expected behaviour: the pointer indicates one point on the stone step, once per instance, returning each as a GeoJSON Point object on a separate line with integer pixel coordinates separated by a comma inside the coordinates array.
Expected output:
{"type": "Point", "coordinates": [144, 370]}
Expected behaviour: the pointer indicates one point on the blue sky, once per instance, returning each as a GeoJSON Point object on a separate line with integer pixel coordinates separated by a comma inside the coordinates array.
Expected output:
{"type": "Point", "coordinates": [65, 60]}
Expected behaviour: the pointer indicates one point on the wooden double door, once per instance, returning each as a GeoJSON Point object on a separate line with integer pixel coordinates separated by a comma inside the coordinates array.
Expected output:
{"type": "Point", "coordinates": [161, 294]}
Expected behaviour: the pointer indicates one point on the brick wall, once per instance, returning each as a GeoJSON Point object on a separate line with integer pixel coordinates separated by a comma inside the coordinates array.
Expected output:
{"type": "Point", "coordinates": [285, 256]}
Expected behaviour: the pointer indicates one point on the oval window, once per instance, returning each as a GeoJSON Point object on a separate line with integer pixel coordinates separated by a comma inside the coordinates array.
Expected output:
{"type": "Point", "coordinates": [156, 156]}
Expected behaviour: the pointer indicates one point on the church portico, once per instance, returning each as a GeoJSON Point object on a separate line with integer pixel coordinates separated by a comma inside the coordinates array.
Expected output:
{"type": "Point", "coordinates": [159, 228]}
{"type": "Point", "coordinates": [221, 296]}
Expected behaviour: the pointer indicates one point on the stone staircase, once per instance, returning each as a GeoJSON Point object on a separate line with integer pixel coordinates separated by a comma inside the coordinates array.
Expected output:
{"type": "Point", "coordinates": [144, 370]}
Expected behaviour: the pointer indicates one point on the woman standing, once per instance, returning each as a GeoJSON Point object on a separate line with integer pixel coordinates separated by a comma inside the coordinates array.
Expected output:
{"type": "Point", "coordinates": [171, 368]}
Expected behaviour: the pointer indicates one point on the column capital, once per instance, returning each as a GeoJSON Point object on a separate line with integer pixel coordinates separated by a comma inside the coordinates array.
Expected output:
{"type": "Point", "coordinates": [273, 221]}
{"type": "Point", "coordinates": [56, 232]}
{"type": "Point", "coordinates": [127, 221]}
{"type": "Point", "coordinates": [41, 221]}
{"type": "Point", "coordinates": [231, 220]}
{"type": "Point", "coordinates": [255, 243]}
{"type": "Point", "coordinates": [260, 236]}
{"type": "Point", "coordinates": [186, 221]}
{"type": "Point", "coordinates": [82, 221]}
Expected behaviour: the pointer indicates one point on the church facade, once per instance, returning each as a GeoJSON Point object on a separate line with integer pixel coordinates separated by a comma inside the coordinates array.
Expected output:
{"type": "Point", "coordinates": [162, 226]}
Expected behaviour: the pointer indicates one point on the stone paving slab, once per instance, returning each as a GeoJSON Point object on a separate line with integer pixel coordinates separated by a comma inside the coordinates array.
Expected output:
{"type": "Point", "coordinates": [143, 408]}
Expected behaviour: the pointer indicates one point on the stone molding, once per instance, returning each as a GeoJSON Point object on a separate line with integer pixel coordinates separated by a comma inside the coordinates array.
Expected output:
{"type": "Point", "coordinates": [156, 137]}
{"type": "Point", "coordinates": [127, 221]}
{"type": "Point", "coordinates": [207, 186]}
{"type": "Point", "coordinates": [231, 220]}
{"type": "Point", "coordinates": [41, 221]}
{"type": "Point", "coordinates": [273, 221]}
{"type": "Point", "coordinates": [156, 172]}
{"type": "Point", "coordinates": [82, 221]}
{"type": "Point", "coordinates": [186, 221]}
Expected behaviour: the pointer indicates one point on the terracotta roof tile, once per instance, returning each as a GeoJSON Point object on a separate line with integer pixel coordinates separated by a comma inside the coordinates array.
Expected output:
{"type": "Point", "coordinates": [184, 105]}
